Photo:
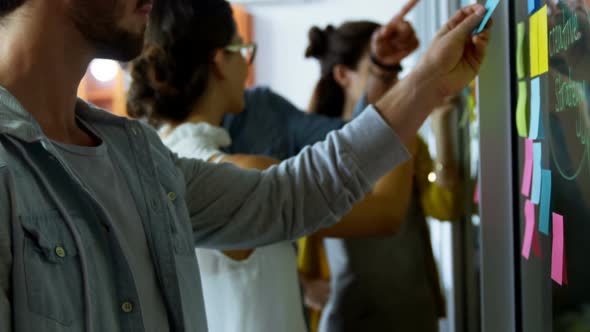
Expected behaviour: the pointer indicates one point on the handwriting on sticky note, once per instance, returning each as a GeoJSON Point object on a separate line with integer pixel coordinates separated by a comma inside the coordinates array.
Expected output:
{"type": "Point", "coordinates": [520, 50]}
{"type": "Point", "coordinates": [536, 120]}
{"type": "Point", "coordinates": [527, 173]}
{"type": "Point", "coordinates": [539, 42]}
{"type": "Point", "coordinates": [537, 161]}
{"type": "Point", "coordinates": [491, 6]}
{"type": "Point", "coordinates": [558, 258]}
{"type": "Point", "coordinates": [522, 118]}
{"type": "Point", "coordinates": [545, 205]}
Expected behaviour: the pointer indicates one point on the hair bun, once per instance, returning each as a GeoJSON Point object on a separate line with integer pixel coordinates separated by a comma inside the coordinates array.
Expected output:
{"type": "Point", "coordinates": [319, 41]}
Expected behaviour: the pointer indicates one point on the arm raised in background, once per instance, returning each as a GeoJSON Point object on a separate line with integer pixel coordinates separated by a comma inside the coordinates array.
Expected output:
{"type": "Point", "coordinates": [450, 63]}
{"type": "Point", "coordinates": [390, 44]}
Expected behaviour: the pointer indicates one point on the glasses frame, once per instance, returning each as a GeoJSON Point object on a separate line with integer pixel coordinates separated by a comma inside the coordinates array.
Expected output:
{"type": "Point", "coordinates": [249, 48]}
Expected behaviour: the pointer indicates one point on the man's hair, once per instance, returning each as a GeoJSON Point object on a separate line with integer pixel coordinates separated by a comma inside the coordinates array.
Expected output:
{"type": "Point", "coordinates": [7, 6]}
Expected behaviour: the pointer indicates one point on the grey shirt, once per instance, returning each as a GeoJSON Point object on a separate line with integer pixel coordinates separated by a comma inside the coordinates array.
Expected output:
{"type": "Point", "coordinates": [182, 203]}
{"type": "Point", "coordinates": [93, 165]}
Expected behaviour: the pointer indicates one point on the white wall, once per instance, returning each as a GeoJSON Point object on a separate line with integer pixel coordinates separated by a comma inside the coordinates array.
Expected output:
{"type": "Point", "coordinates": [281, 33]}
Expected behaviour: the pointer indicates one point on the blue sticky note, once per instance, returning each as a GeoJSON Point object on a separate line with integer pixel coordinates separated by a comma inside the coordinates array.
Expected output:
{"type": "Point", "coordinates": [534, 5]}
{"type": "Point", "coordinates": [491, 6]}
{"type": "Point", "coordinates": [537, 173]}
{"type": "Point", "coordinates": [545, 207]}
{"type": "Point", "coordinates": [536, 125]}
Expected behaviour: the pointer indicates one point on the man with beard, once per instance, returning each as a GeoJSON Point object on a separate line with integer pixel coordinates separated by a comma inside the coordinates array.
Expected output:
{"type": "Point", "coordinates": [98, 220]}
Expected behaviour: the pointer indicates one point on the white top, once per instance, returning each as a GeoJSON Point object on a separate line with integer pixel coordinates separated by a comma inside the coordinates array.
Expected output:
{"type": "Point", "coordinates": [258, 294]}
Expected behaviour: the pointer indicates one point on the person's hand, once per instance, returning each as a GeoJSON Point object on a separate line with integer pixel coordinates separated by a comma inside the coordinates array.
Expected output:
{"type": "Point", "coordinates": [451, 62]}
{"type": "Point", "coordinates": [455, 56]}
{"type": "Point", "coordinates": [394, 41]}
{"type": "Point", "coordinates": [316, 293]}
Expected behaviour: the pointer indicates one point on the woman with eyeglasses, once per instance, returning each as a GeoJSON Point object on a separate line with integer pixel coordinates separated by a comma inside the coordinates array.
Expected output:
{"type": "Point", "coordinates": [191, 74]}
{"type": "Point", "coordinates": [250, 290]}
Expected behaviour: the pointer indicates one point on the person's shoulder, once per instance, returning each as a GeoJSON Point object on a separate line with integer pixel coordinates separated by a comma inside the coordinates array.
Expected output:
{"type": "Point", "coordinates": [258, 92]}
{"type": "Point", "coordinates": [263, 97]}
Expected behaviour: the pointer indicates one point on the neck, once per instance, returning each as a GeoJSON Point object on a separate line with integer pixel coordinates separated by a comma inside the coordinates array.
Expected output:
{"type": "Point", "coordinates": [42, 63]}
{"type": "Point", "coordinates": [348, 111]}
{"type": "Point", "coordinates": [210, 108]}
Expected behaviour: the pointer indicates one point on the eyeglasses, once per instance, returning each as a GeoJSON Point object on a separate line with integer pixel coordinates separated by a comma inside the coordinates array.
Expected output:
{"type": "Point", "coordinates": [248, 51]}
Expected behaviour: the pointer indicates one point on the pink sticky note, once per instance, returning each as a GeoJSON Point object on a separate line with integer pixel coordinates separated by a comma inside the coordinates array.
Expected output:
{"type": "Point", "coordinates": [527, 173]}
{"type": "Point", "coordinates": [558, 266]}
{"type": "Point", "coordinates": [531, 238]}
{"type": "Point", "coordinates": [476, 193]}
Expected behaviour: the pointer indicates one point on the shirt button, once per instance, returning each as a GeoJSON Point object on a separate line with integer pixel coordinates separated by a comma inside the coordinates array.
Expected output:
{"type": "Point", "coordinates": [60, 252]}
{"type": "Point", "coordinates": [127, 307]}
{"type": "Point", "coordinates": [172, 196]}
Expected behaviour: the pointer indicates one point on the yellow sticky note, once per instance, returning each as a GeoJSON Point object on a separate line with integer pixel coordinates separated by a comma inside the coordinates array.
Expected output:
{"type": "Point", "coordinates": [543, 40]}
{"type": "Point", "coordinates": [520, 51]}
{"type": "Point", "coordinates": [539, 42]}
{"type": "Point", "coordinates": [534, 44]}
{"type": "Point", "coordinates": [522, 117]}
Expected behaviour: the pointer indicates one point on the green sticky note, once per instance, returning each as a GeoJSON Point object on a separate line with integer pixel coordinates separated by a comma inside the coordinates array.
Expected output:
{"type": "Point", "coordinates": [520, 57]}
{"type": "Point", "coordinates": [522, 116]}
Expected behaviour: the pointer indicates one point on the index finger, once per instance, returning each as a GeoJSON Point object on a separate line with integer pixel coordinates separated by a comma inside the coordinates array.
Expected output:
{"type": "Point", "coordinates": [405, 10]}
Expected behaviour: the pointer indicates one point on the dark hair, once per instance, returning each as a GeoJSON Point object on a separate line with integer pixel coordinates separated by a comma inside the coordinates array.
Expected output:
{"type": "Point", "coordinates": [344, 45]}
{"type": "Point", "coordinates": [7, 6]}
{"type": "Point", "coordinates": [173, 70]}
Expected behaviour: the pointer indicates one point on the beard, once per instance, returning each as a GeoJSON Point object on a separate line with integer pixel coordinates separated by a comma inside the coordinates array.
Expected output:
{"type": "Point", "coordinates": [97, 22]}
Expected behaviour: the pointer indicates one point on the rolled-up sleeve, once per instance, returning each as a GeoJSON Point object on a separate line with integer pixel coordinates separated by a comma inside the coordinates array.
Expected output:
{"type": "Point", "coordinates": [233, 208]}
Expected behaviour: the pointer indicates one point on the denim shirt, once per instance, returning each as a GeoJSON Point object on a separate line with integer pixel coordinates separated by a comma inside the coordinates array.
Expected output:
{"type": "Point", "coordinates": [51, 226]}
{"type": "Point", "coordinates": [272, 126]}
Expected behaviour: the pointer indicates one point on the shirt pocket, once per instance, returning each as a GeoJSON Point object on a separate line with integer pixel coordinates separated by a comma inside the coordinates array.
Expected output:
{"type": "Point", "coordinates": [52, 268]}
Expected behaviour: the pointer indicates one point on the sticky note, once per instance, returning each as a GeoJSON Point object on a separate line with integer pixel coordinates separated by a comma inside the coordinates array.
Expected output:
{"type": "Point", "coordinates": [491, 6]}
{"type": "Point", "coordinates": [533, 44]}
{"type": "Point", "coordinates": [558, 259]}
{"type": "Point", "coordinates": [533, 5]}
{"type": "Point", "coordinates": [537, 160]}
{"type": "Point", "coordinates": [520, 50]}
{"type": "Point", "coordinates": [539, 42]}
{"type": "Point", "coordinates": [527, 173]}
{"type": "Point", "coordinates": [543, 44]}
{"type": "Point", "coordinates": [522, 114]}
{"type": "Point", "coordinates": [545, 205]}
{"type": "Point", "coordinates": [531, 239]}
{"type": "Point", "coordinates": [536, 125]}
